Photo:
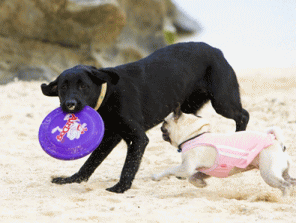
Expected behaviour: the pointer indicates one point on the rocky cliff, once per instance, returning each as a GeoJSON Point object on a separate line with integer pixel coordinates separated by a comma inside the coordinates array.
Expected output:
{"type": "Point", "coordinates": [41, 38]}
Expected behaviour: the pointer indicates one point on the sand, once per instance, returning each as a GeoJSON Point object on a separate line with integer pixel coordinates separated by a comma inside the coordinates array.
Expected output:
{"type": "Point", "coordinates": [27, 195]}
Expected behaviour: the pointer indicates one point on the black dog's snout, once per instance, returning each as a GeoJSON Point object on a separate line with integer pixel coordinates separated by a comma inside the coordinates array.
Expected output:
{"type": "Point", "coordinates": [71, 104]}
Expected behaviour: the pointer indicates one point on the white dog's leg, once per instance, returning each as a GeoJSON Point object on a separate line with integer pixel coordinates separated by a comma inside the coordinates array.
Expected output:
{"type": "Point", "coordinates": [191, 160]}
{"type": "Point", "coordinates": [186, 169]}
{"type": "Point", "coordinates": [286, 175]}
{"type": "Point", "coordinates": [273, 164]}
{"type": "Point", "coordinates": [197, 179]}
{"type": "Point", "coordinates": [168, 172]}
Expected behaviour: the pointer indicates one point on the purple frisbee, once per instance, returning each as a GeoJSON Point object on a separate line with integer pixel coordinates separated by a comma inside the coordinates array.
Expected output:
{"type": "Point", "coordinates": [70, 136]}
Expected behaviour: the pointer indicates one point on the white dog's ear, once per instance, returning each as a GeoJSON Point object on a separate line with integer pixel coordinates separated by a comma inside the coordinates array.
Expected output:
{"type": "Point", "coordinates": [177, 112]}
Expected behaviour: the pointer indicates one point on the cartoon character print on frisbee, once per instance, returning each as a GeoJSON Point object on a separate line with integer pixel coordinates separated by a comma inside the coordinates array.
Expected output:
{"type": "Point", "coordinates": [68, 136]}
{"type": "Point", "coordinates": [72, 129]}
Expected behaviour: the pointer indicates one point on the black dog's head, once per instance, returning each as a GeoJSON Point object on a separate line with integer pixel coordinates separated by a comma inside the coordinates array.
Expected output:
{"type": "Point", "coordinates": [80, 86]}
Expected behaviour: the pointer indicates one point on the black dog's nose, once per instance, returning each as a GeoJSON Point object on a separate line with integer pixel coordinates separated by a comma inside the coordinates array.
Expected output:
{"type": "Point", "coordinates": [71, 104]}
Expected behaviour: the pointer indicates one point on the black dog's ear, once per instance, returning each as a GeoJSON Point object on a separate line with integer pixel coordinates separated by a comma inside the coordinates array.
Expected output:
{"type": "Point", "coordinates": [177, 112]}
{"type": "Point", "coordinates": [50, 89]}
{"type": "Point", "coordinates": [109, 75]}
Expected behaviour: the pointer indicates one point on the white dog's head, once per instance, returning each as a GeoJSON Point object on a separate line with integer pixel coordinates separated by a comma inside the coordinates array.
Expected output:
{"type": "Point", "coordinates": [179, 127]}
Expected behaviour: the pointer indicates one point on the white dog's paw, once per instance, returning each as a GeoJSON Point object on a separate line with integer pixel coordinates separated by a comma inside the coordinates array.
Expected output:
{"type": "Point", "coordinates": [156, 177]}
{"type": "Point", "coordinates": [197, 182]}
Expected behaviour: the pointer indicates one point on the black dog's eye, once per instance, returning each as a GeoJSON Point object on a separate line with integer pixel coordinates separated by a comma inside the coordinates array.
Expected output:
{"type": "Point", "coordinates": [82, 86]}
{"type": "Point", "coordinates": [64, 87]}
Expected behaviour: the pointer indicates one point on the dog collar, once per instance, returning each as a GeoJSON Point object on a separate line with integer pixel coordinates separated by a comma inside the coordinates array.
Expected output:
{"type": "Point", "coordinates": [102, 96]}
{"type": "Point", "coordinates": [180, 146]}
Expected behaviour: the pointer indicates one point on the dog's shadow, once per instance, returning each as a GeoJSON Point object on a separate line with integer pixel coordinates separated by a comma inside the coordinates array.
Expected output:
{"type": "Point", "coordinates": [271, 197]}
{"type": "Point", "coordinates": [252, 189]}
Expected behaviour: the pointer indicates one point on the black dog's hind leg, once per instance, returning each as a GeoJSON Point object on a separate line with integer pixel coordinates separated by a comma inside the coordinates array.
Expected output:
{"type": "Point", "coordinates": [136, 148]}
{"type": "Point", "coordinates": [242, 121]}
{"type": "Point", "coordinates": [225, 95]}
{"type": "Point", "coordinates": [232, 111]}
{"type": "Point", "coordinates": [195, 102]}
{"type": "Point", "coordinates": [108, 143]}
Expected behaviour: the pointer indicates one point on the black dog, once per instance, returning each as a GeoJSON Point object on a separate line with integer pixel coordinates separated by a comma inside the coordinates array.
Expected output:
{"type": "Point", "coordinates": [141, 94]}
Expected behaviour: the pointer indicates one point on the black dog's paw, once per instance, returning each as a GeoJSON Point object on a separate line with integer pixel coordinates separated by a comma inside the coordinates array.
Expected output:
{"type": "Point", "coordinates": [61, 180]}
{"type": "Point", "coordinates": [118, 188]}
{"type": "Point", "coordinates": [68, 180]}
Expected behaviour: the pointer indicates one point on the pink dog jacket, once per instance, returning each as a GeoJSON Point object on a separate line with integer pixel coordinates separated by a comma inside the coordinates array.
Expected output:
{"type": "Point", "coordinates": [233, 150]}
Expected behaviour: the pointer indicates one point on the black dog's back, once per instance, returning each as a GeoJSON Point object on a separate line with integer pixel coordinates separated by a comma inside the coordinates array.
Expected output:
{"type": "Point", "coordinates": [189, 74]}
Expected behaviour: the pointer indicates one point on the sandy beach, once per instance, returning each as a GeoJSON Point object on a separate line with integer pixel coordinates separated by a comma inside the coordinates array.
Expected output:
{"type": "Point", "coordinates": [27, 194]}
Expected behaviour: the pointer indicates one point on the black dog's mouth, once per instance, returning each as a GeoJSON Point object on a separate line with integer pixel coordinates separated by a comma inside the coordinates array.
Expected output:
{"type": "Point", "coordinates": [72, 106]}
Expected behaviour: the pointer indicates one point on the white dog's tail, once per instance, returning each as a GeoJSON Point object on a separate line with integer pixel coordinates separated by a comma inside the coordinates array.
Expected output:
{"type": "Point", "coordinates": [278, 133]}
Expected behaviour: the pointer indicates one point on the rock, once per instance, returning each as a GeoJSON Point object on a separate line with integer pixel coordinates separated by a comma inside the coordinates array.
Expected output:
{"type": "Point", "coordinates": [41, 38]}
{"type": "Point", "coordinates": [67, 22]}
{"type": "Point", "coordinates": [33, 73]}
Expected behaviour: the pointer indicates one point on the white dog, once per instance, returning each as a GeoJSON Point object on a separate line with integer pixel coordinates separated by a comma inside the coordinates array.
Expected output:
{"type": "Point", "coordinates": [206, 154]}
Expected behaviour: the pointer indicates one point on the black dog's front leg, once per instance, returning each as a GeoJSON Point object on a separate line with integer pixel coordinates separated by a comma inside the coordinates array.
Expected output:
{"type": "Point", "coordinates": [108, 143]}
{"type": "Point", "coordinates": [132, 163]}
